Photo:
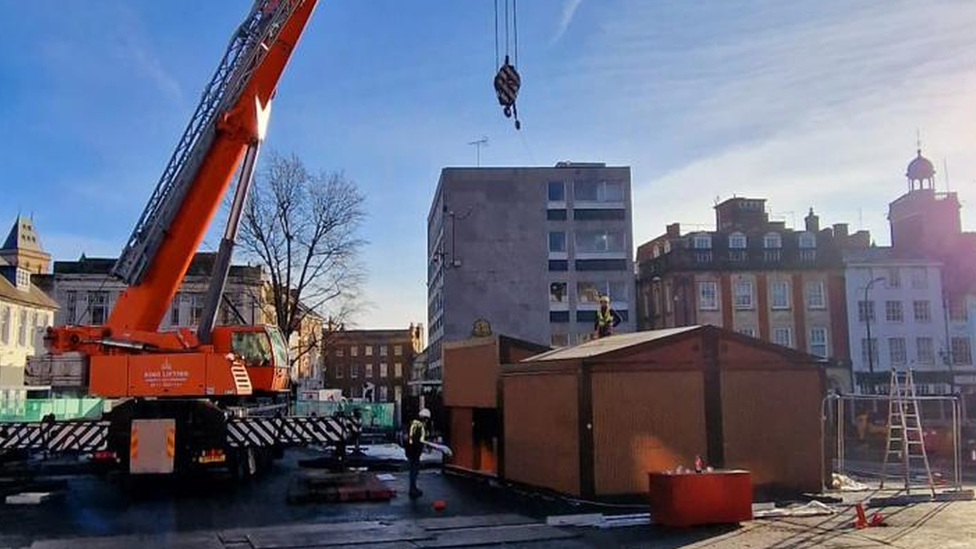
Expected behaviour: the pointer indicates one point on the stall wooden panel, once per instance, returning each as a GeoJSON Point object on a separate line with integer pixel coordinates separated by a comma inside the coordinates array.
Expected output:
{"type": "Point", "coordinates": [461, 441]}
{"type": "Point", "coordinates": [541, 427]}
{"type": "Point", "coordinates": [470, 372]}
{"type": "Point", "coordinates": [644, 421]}
{"type": "Point", "coordinates": [771, 426]}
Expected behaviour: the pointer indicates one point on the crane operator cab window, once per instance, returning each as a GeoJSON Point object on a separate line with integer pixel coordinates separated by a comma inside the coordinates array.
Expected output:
{"type": "Point", "coordinates": [253, 347]}
{"type": "Point", "coordinates": [279, 347]}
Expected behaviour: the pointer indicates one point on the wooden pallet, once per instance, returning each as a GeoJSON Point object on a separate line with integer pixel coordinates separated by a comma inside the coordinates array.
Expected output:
{"type": "Point", "coordinates": [324, 487]}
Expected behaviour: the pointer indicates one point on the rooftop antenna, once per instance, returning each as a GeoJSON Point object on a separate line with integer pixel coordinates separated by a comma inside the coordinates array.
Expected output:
{"type": "Point", "coordinates": [483, 142]}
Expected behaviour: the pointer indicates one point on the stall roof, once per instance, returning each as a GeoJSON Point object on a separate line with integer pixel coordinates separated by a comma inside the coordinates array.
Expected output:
{"type": "Point", "coordinates": [598, 347]}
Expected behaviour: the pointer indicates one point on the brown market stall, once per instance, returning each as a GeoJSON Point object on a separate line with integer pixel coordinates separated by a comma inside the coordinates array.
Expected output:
{"type": "Point", "coordinates": [594, 419]}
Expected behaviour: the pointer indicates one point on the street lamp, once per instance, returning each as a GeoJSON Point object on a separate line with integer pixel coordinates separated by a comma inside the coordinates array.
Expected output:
{"type": "Point", "coordinates": [867, 319]}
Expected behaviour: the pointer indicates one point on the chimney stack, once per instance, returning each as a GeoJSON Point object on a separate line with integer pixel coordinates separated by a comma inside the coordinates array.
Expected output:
{"type": "Point", "coordinates": [812, 222]}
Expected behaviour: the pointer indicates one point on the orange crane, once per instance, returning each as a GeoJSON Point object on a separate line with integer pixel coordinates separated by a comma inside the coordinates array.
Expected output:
{"type": "Point", "coordinates": [195, 382]}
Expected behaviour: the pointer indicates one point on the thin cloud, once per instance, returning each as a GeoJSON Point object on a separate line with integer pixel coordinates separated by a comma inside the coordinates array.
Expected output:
{"type": "Point", "coordinates": [565, 18]}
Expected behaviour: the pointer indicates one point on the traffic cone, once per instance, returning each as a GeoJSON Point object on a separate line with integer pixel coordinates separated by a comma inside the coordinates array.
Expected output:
{"type": "Point", "coordinates": [877, 519]}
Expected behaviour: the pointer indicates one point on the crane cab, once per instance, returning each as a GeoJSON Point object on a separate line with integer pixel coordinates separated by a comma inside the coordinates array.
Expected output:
{"type": "Point", "coordinates": [263, 350]}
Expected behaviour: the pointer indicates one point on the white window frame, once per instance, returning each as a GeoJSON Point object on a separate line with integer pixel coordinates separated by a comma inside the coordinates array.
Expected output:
{"type": "Point", "coordinates": [384, 370]}
{"type": "Point", "coordinates": [814, 343]}
{"type": "Point", "coordinates": [398, 350]}
{"type": "Point", "coordinates": [778, 331]}
{"type": "Point", "coordinates": [821, 302]}
{"type": "Point", "coordinates": [397, 369]}
{"type": "Point", "coordinates": [929, 356]}
{"type": "Point", "coordinates": [704, 303]}
{"type": "Point", "coordinates": [897, 351]}
{"type": "Point", "coordinates": [743, 301]}
{"type": "Point", "coordinates": [701, 241]}
{"type": "Point", "coordinates": [919, 277]}
{"type": "Point", "coordinates": [894, 311]}
{"type": "Point", "coordinates": [923, 306]}
{"type": "Point", "coordinates": [738, 241]}
{"type": "Point", "coordinates": [772, 241]}
{"type": "Point", "coordinates": [785, 285]}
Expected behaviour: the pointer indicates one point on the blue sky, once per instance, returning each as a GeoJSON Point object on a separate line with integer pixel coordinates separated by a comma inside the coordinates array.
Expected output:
{"type": "Point", "coordinates": [812, 103]}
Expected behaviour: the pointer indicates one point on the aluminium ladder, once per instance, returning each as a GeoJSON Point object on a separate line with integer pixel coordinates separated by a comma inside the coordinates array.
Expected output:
{"type": "Point", "coordinates": [905, 440]}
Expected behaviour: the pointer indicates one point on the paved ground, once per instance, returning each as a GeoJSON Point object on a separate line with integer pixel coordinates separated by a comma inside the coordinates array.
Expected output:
{"type": "Point", "coordinates": [101, 514]}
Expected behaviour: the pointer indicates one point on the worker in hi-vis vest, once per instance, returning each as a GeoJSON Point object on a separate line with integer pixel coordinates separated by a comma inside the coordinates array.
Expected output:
{"type": "Point", "coordinates": [606, 319]}
{"type": "Point", "coordinates": [416, 437]}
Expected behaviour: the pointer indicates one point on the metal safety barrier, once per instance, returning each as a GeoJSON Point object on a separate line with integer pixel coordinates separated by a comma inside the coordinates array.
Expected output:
{"type": "Point", "coordinates": [64, 436]}
{"type": "Point", "coordinates": [273, 431]}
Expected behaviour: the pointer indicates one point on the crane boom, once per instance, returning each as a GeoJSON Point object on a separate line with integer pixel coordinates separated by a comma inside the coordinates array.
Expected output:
{"type": "Point", "coordinates": [225, 123]}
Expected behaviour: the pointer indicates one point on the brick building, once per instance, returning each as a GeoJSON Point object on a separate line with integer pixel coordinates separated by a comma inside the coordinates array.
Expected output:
{"type": "Point", "coordinates": [372, 364]}
{"type": "Point", "coordinates": [752, 275]}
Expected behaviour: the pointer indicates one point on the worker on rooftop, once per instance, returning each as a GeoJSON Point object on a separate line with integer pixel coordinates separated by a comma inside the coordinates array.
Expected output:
{"type": "Point", "coordinates": [606, 318]}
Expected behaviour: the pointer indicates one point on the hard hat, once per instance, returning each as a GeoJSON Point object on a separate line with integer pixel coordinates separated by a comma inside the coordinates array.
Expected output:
{"type": "Point", "coordinates": [604, 299]}
{"type": "Point", "coordinates": [424, 413]}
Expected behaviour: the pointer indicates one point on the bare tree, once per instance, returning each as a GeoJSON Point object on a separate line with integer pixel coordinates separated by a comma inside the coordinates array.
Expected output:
{"type": "Point", "coordinates": [303, 228]}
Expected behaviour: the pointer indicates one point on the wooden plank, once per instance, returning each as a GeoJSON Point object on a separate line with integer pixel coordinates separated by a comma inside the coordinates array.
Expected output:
{"type": "Point", "coordinates": [240, 535]}
{"type": "Point", "coordinates": [289, 540]}
{"type": "Point", "coordinates": [176, 541]}
{"type": "Point", "coordinates": [494, 535]}
{"type": "Point", "coordinates": [474, 521]}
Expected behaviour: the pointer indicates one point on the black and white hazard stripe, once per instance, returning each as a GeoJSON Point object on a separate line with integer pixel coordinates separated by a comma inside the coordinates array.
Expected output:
{"type": "Point", "coordinates": [259, 432]}
{"type": "Point", "coordinates": [65, 436]}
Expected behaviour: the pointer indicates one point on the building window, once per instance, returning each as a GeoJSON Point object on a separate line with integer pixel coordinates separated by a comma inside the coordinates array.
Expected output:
{"type": "Point", "coordinates": [708, 296]}
{"type": "Point", "coordinates": [384, 393]}
{"type": "Point", "coordinates": [896, 351]}
{"type": "Point", "coordinates": [920, 278]}
{"type": "Point", "coordinates": [71, 306]}
{"type": "Point", "coordinates": [397, 393]}
{"type": "Point", "coordinates": [397, 369]}
{"type": "Point", "coordinates": [922, 311]}
{"type": "Point", "coordinates": [772, 241]}
{"type": "Point", "coordinates": [815, 295]}
{"type": "Point", "coordinates": [590, 292]}
{"type": "Point", "coordinates": [340, 371]}
{"type": "Point", "coordinates": [925, 348]}
{"type": "Point", "coordinates": [369, 371]}
{"type": "Point", "coordinates": [22, 329]}
{"type": "Point", "coordinates": [818, 342]}
{"type": "Point", "coordinates": [353, 371]}
{"type": "Point", "coordinates": [962, 352]}
{"type": "Point", "coordinates": [354, 350]}
{"type": "Point", "coordinates": [751, 332]}
{"type": "Point", "coordinates": [558, 340]}
{"type": "Point", "coordinates": [398, 350]}
{"type": "Point", "coordinates": [737, 241]}
{"type": "Point", "coordinates": [196, 308]}
{"type": "Point", "coordinates": [807, 241]}
{"type": "Point", "coordinates": [743, 294]}
{"type": "Point", "coordinates": [384, 351]}
{"type": "Point", "coordinates": [557, 191]}
{"type": "Point", "coordinates": [957, 310]}
{"type": "Point", "coordinates": [557, 241]}
{"type": "Point", "coordinates": [865, 311]}
{"type": "Point", "coordinates": [869, 359]}
{"type": "Point", "coordinates": [894, 312]}
{"type": "Point", "coordinates": [598, 191]}
{"type": "Point", "coordinates": [174, 310]}
{"type": "Point", "coordinates": [384, 371]}
{"type": "Point", "coordinates": [780, 294]}
{"type": "Point", "coordinates": [892, 278]}
{"type": "Point", "coordinates": [701, 242]}
{"type": "Point", "coordinates": [340, 351]}
{"type": "Point", "coordinates": [369, 350]}
{"type": "Point", "coordinates": [4, 324]}
{"type": "Point", "coordinates": [599, 241]}
{"type": "Point", "coordinates": [557, 292]}
{"type": "Point", "coordinates": [98, 305]}
{"type": "Point", "coordinates": [783, 336]}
